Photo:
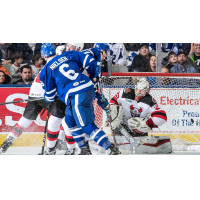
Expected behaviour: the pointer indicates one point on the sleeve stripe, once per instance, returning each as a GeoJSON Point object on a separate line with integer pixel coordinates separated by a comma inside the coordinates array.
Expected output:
{"type": "Point", "coordinates": [113, 101]}
{"type": "Point", "coordinates": [51, 91]}
{"type": "Point", "coordinates": [160, 116]}
{"type": "Point", "coordinates": [85, 60]}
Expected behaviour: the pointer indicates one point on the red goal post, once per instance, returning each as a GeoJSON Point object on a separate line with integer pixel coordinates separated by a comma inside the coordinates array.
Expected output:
{"type": "Point", "coordinates": [177, 93]}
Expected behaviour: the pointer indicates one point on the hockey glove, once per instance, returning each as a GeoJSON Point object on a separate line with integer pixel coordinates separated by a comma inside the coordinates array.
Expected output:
{"type": "Point", "coordinates": [102, 103]}
{"type": "Point", "coordinates": [138, 124]}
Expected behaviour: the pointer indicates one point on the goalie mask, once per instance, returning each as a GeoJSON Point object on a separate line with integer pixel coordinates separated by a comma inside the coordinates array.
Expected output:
{"type": "Point", "coordinates": [141, 89]}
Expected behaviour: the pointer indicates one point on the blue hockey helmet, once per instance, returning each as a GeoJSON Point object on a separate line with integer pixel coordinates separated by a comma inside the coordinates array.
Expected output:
{"type": "Point", "coordinates": [48, 49]}
{"type": "Point", "coordinates": [102, 46]}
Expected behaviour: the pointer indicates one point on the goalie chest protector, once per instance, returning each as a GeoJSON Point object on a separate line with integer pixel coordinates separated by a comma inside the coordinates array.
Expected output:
{"type": "Point", "coordinates": [133, 108]}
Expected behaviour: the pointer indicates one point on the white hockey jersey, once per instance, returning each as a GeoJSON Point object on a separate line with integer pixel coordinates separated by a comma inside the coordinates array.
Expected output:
{"type": "Point", "coordinates": [145, 108]}
{"type": "Point", "coordinates": [36, 88]}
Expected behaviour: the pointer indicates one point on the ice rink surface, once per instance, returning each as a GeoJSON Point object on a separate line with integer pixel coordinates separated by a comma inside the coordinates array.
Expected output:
{"type": "Point", "coordinates": [37, 150]}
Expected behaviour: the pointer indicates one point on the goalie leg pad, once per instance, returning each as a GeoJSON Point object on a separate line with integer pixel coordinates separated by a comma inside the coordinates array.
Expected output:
{"type": "Point", "coordinates": [155, 145]}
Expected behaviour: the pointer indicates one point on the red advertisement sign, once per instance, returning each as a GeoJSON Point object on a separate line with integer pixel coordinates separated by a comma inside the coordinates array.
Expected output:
{"type": "Point", "coordinates": [11, 113]}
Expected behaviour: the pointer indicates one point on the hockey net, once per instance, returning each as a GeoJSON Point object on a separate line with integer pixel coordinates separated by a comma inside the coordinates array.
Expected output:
{"type": "Point", "coordinates": [177, 94]}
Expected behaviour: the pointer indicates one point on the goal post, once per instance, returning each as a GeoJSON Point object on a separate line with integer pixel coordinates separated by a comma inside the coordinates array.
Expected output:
{"type": "Point", "coordinates": [177, 94]}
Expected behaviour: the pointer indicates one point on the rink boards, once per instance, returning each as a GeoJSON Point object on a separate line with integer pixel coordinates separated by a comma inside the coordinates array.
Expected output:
{"type": "Point", "coordinates": [181, 105]}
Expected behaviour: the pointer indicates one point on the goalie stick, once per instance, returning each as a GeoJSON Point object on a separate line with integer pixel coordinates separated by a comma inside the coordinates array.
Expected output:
{"type": "Point", "coordinates": [21, 101]}
{"type": "Point", "coordinates": [107, 114]}
{"type": "Point", "coordinates": [45, 131]}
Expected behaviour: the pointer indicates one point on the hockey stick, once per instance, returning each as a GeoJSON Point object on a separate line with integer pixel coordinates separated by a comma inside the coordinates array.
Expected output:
{"type": "Point", "coordinates": [108, 115]}
{"type": "Point", "coordinates": [45, 131]}
{"type": "Point", "coordinates": [21, 101]}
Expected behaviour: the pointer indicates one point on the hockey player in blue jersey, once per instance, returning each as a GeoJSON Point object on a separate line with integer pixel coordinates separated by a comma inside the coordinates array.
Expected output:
{"type": "Point", "coordinates": [62, 75]}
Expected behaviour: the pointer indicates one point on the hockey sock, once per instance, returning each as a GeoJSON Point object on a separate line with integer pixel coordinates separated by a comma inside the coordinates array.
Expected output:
{"type": "Point", "coordinates": [97, 135]}
{"type": "Point", "coordinates": [53, 131]}
{"type": "Point", "coordinates": [18, 128]}
{"type": "Point", "coordinates": [70, 142]}
{"type": "Point", "coordinates": [61, 133]}
{"type": "Point", "coordinates": [78, 136]}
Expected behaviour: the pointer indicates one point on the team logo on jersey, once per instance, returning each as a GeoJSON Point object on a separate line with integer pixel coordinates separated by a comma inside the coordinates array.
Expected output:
{"type": "Point", "coordinates": [75, 84]}
{"type": "Point", "coordinates": [135, 112]}
{"type": "Point", "coordinates": [127, 90]}
{"type": "Point", "coordinates": [154, 100]}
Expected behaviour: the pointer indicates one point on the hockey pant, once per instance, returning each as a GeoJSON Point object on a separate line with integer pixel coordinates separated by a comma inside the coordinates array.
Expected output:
{"type": "Point", "coordinates": [79, 117]}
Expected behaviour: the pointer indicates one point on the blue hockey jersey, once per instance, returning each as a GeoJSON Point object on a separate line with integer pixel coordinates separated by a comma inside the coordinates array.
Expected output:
{"type": "Point", "coordinates": [62, 75]}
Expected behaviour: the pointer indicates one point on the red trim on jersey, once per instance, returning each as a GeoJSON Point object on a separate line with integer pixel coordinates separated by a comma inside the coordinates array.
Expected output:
{"type": "Point", "coordinates": [151, 124]}
{"type": "Point", "coordinates": [61, 128]}
{"type": "Point", "coordinates": [16, 65]}
{"type": "Point", "coordinates": [160, 116]}
{"type": "Point", "coordinates": [37, 80]}
{"type": "Point", "coordinates": [139, 132]}
{"type": "Point", "coordinates": [158, 143]}
{"type": "Point", "coordinates": [113, 102]}
{"type": "Point", "coordinates": [51, 132]}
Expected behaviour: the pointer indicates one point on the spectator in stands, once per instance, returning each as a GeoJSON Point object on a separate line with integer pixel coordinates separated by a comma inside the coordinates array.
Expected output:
{"type": "Point", "coordinates": [37, 65]}
{"type": "Point", "coordinates": [183, 66]}
{"type": "Point", "coordinates": [27, 52]}
{"type": "Point", "coordinates": [26, 75]}
{"type": "Point", "coordinates": [164, 70]}
{"type": "Point", "coordinates": [88, 45]}
{"type": "Point", "coordinates": [4, 78]}
{"type": "Point", "coordinates": [151, 65]}
{"type": "Point", "coordinates": [195, 55]}
{"type": "Point", "coordinates": [5, 51]}
{"type": "Point", "coordinates": [132, 50]}
{"type": "Point", "coordinates": [140, 61]}
{"type": "Point", "coordinates": [15, 68]}
{"type": "Point", "coordinates": [4, 70]}
{"type": "Point", "coordinates": [170, 60]}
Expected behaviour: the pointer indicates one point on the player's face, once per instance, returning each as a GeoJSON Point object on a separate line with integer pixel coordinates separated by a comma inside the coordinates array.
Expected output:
{"type": "Point", "coordinates": [70, 47]}
{"type": "Point", "coordinates": [103, 55]}
{"type": "Point", "coordinates": [26, 74]}
{"type": "Point", "coordinates": [2, 77]}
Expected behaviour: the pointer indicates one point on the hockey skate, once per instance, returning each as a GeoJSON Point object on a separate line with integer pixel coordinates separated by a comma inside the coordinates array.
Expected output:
{"type": "Point", "coordinates": [85, 150]}
{"type": "Point", "coordinates": [112, 150]}
{"type": "Point", "coordinates": [60, 145]}
{"type": "Point", "coordinates": [50, 151]}
{"type": "Point", "coordinates": [70, 152]}
{"type": "Point", "coordinates": [7, 143]}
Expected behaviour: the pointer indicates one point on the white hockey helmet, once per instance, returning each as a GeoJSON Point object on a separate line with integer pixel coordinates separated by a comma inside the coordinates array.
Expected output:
{"type": "Point", "coordinates": [142, 88]}
{"type": "Point", "coordinates": [79, 46]}
{"type": "Point", "coordinates": [60, 50]}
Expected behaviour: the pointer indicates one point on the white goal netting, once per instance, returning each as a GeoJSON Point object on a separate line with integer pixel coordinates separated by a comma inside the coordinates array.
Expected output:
{"type": "Point", "coordinates": [178, 95]}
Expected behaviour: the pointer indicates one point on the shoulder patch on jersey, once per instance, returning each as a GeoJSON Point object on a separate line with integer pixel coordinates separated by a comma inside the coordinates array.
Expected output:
{"type": "Point", "coordinates": [128, 94]}
{"type": "Point", "coordinates": [127, 90]}
{"type": "Point", "coordinates": [148, 99]}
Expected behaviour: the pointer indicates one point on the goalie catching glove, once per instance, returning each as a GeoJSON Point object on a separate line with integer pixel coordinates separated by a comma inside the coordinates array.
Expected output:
{"type": "Point", "coordinates": [138, 124]}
